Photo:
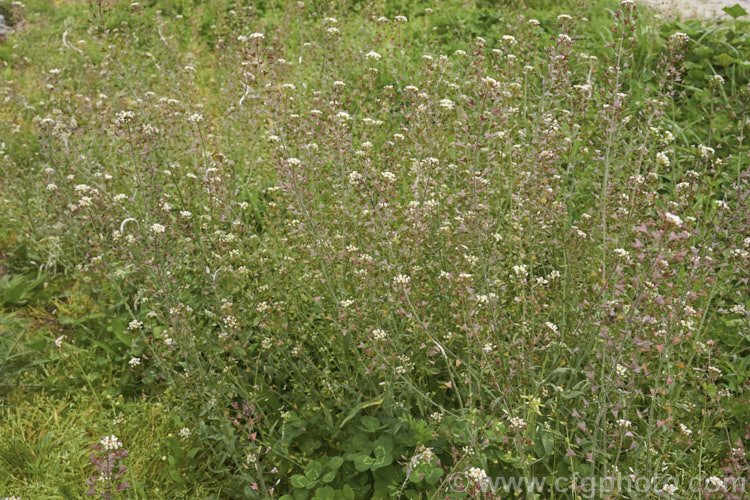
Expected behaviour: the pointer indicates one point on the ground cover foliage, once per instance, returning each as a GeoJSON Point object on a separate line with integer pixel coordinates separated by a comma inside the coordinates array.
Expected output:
{"type": "Point", "coordinates": [381, 249]}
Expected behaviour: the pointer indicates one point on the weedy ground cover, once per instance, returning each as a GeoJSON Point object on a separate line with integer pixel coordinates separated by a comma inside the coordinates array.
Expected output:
{"type": "Point", "coordinates": [372, 250]}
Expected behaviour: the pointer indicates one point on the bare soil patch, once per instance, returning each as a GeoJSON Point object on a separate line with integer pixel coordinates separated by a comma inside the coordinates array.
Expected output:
{"type": "Point", "coordinates": [696, 9]}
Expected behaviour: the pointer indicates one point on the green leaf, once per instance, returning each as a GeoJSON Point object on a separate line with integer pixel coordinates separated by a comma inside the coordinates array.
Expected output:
{"type": "Point", "coordinates": [37, 345]}
{"type": "Point", "coordinates": [370, 424]}
{"type": "Point", "coordinates": [124, 338]}
{"type": "Point", "coordinates": [299, 481]}
{"type": "Point", "coordinates": [347, 492]}
{"type": "Point", "coordinates": [434, 476]}
{"type": "Point", "coordinates": [175, 476]}
{"type": "Point", "coordinates": [735, 11]}
{"type": "Point", "coordinates": [328, 476]}
{"type": "Point", "coordinates": [724, 60]}
{"type": "Point", "coordinates": [363, 462]}
{"type": "Point", "coordinates": [313, 470]}
{"type": "Point", "coordinates": [324, 493]}
{"type": "Point", "coordinates": [358, 408]}
{"type": "Point", "coordinates": [15, 289]}
{"type": "Point", "coordinates": [548, 440]}
{"type": "Point", "coordinates": [360, 442]}
{"type": "Point", "coordinates": [571, 394]}
{"type": "Point", "coordinates": [335, 463]}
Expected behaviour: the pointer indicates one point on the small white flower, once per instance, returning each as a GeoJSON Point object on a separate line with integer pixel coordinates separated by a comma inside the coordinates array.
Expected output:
{"type": "Point", "coordinates": [715, 483]}
{"type": "Point", "coordinates": [477, 475]}
{"type": "Point", "coordinates": [673, 219]}
{"type": "Point", "coordinates": [679, 37]}
{"type": "Point", "coordinates": [373, 55]}
{"type": "Point", "coordinates": [388, 176]}
{"type": "Point", "coordinates": [622, 253]}
{"type": "Point", "coordinates": [110, 443]}
{"type": "Point", "coordinates": [490, 82]}
{"type": "Point", "coordinates": [624, 424]}
{"type": "Point", "coordinates": [355, 177]}
{"type": "Point", "coordinates": [184, 433]}
{"type": "Point", "coordinates": [379, 335]}
{"type": "Point", "coordinates": [423, 456]}
{"type": "Point", "coordinates": [517, 423]}
{"type": "Point", "coordinates": [134, 362]}
{"type": "Point", "coordinates": [705, 151]}
{"type": "Point", "coordinates": [59, 341]}
{"type": "Point", "coordinates": [446, 104]}
{"type": "Point", "coordinates": [520, 270]}
{"type": "Point", "coordinates": [125, 116]}
{"type": "Point", "coordinates": [662, 159]}
{"type": "Point", "coordinates": [670, 489]}
{"type": "Point", "coordinates": [402, 279]}
{"type": "Point", "coordinates": [157, 228]}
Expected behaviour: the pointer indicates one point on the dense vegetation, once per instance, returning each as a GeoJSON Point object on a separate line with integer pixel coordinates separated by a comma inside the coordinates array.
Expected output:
{"type": "Point", "coordinates": [383, 249]}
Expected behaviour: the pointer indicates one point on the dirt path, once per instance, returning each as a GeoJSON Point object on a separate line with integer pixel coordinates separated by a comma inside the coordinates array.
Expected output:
{"type": "Point", "coordinates": [696, 9]}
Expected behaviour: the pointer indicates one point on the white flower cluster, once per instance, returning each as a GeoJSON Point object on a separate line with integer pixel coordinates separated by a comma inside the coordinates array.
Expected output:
{"type": "Point", "coordinates": [379, 335]}
{"type": "Point", "coordinates": [517, 423]}
{"type": "Point", "coordinates": [110, 443]}
{"type": "Point", "coordinates": [477, 475]}
{"type": "Point", "coordinates": [402, 280]}
{"type": "Point", "coordinates": [423, 456]}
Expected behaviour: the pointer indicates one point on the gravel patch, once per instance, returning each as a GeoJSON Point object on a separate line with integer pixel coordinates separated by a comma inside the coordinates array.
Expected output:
{"type": "Point", "coordinates": [696, 9]}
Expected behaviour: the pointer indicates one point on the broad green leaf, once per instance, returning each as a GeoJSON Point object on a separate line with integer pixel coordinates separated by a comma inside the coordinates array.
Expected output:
{"type": "Point", "coordinates": [335, 463]}
{"type": "Point", "coordinates": [347, 492]}
{"type": "Point", "coordinates": [735, 11]}
{"type": "Point", "coordinates": [313, 470]}
{"type": "Point", "coordinates": [124, 338]}
{"type": "Point", "coordinates": [363, 462]}
{"type": "Point", "coordinates": [324, 493]}
{"type": "Point", "coordinates": [370, 424]}
{"type": "Point", "coordinates": [299, 481]}
{"type": "Point", "coordinates": [175, 476]}
{"type": "Point", "coordinates": [724, 59]}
